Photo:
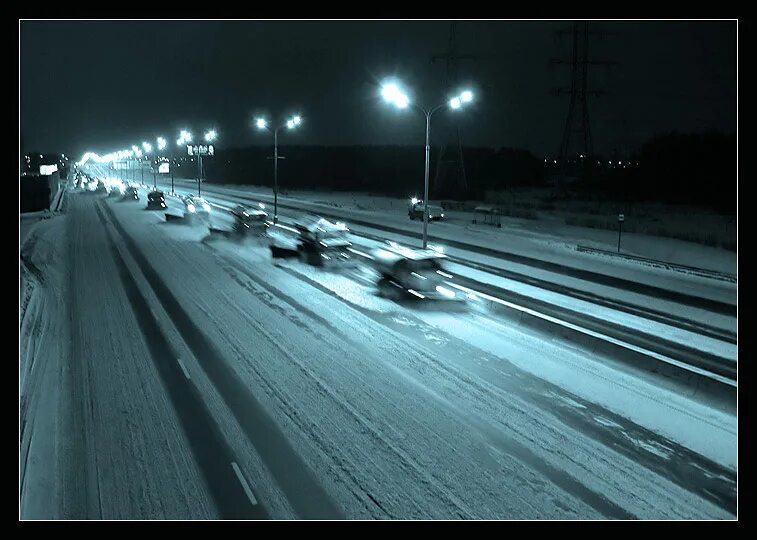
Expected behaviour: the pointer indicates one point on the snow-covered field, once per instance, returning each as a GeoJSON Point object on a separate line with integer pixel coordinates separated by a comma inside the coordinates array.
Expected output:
{"type": "Point", "coordinates": [332, 401]}
{"type": "Point", "coordinates": [516, 234]}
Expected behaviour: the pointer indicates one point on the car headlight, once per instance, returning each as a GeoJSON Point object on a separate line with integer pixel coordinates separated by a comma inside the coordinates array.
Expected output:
{"type": "Point", "coordinates": [445, 291]}
{"type": "Point", "coordinates": [191, 208]}
{"type": "Point", "coordinates": [206, 207]}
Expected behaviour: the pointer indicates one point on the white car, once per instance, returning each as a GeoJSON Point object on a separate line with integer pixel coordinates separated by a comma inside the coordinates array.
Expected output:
{"type": "Point", "coordinates": [418, 274]}
{"type": "Point", "coordinates": [194, 205]}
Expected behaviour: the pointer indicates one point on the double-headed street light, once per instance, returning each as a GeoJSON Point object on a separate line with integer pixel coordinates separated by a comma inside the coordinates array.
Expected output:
{"type": "Point", "coordinates": [138, 159]}
{"type": "Point", "coordinates": [148, 148]}
{"type": "Point", "coordinates": [392, 93]}
{"type": "Point", "coordinates": [291, 123]}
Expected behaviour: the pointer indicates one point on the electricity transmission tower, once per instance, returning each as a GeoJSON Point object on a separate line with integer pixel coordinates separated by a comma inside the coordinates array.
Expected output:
{"type": "Point", "coordinates": [450, 166]}
{"type": "Point", "coordinates": [576, 139]}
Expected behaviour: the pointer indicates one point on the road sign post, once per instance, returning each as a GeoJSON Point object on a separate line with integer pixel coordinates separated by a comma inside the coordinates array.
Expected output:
{"type": "Point", "coordinates": [621, 219]}
{"type": "Point", "coordinates": [200, 150]}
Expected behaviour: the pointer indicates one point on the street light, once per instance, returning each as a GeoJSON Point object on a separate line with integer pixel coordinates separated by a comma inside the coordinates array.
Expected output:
{"type": "Point", "coordinates": [291, 123]}
{"type": "Point", "coordinates": [210, 136]}
{"type": "Point", "coordinates": [148, 148]}
{"type": "Point", "coordinates": [394, 94]}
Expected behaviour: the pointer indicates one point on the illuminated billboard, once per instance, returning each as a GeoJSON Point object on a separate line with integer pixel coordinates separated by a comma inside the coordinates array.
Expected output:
{"type": "Point", "coordinates": [200, 149]}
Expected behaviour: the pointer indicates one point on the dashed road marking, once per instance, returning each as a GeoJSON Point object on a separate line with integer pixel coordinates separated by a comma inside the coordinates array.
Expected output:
{"type": "Point", "coordinates": [244, 483]}
{"type": "Point", "coordinates": [183, 368]}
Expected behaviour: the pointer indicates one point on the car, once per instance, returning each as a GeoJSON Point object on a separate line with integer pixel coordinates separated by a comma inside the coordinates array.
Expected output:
{"type": "Point", "coordinates": [156, 200]}
{"type": "Point", "coordinates": [196, 206]}
{"type": "Point", "coordinates": [415, 211]}
{"type": "Point", "coordinates": [323, 242]}
{"type": "Point", "coordinates": [249, 221]}
{"type": "Point", "coordinates": [116, 188]}
{"type": "Point", "coordinates": [413, 274]}
{"type": "Point", "coordinates": [131, 193]}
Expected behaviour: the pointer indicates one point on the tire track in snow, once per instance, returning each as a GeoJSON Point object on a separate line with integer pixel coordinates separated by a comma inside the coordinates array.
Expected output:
{"type": "Point", "coordinates": [671, 460]}
{"type": "Point", "coordinates": [560, 478]}
{"type": "Point", "coordinates": [212, 453]}
{"type": "Point", "coordinates": [294, 476]}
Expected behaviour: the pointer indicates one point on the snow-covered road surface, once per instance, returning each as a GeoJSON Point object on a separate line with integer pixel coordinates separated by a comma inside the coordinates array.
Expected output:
{"type": "Point", "coordinates": [177, 378]}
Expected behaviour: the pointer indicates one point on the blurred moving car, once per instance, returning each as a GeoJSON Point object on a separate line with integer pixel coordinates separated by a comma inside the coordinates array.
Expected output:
{"type": "Point", "coordinates": [322, 242]}
{"type": "Point", "coordinates": [195, 206]}
{"type": "Point", "coordinates": [131, 193]}
{"type": "Point", "coordinates": [156, 200]}
{"type": "Point", "coordinates": [116, 187]}
{"type": "Point", "coordinates": [415, 210]}
{"type": "Point", "coordinates": [249, 221]}
{"type": "Point", "coordinates": [407, 273]}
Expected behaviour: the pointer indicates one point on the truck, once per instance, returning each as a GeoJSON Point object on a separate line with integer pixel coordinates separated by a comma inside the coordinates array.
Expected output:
{"type": "Point", "coordinates": [415, 210]}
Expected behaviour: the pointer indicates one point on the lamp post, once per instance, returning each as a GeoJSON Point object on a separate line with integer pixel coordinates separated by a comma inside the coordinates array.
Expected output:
{"type": "Point", "coordinates": [292, 123]}
{"type": "Point", "coordinates": [161, 146]}
{"type": "Point", "coordinates": [184, 138]}
{"type": "Point", "coordinates": [148, 148]}
{"type": "Point", "coordinates": [210, 136]}
{"type": "Point", "coordinates": [393, 94]}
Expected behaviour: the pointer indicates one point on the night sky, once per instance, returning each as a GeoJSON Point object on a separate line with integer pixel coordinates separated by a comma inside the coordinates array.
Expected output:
{"type": "Point", "coordinates": [103, 86]}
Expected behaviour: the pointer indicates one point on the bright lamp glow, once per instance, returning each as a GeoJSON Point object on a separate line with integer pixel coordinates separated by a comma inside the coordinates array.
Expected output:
{"type": "Point", "coordinates": [161, 143]}
{"type": "Point", "coordinates": [147, 146]}
{"type": "Point", "coordinates": [466, 96]}
{"type": "Point", "coordinates": [392, 93]}
{"type": "Point", "coordinates": [210, 135]}
{"type": "Point", "coordinates": [290, 124]}
{"type": "Point", "coordinates": [455, 103]}
{"type": "Point", "coordinates": [260, 123]}
{"type": "Point", "coordinates": [297, 120]}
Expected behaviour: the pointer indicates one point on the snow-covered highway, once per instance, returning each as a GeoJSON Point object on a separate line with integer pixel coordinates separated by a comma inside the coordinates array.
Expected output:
{"type": "Point", "coordinates": [167, 376]}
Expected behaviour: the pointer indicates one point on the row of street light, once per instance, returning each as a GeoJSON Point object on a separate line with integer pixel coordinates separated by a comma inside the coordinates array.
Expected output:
{"type": "Point", "coordinates": [391, 92]}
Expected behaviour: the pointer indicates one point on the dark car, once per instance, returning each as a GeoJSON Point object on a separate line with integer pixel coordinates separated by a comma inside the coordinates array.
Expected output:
{"type": "Point", "coordinates": [131, 193]}
{"type": "Point", "coordinates": [156, 200]}
{"type": "Point", "coordinates": [415, 211]}
{"type": "Point", "coordinates": [102, 187]}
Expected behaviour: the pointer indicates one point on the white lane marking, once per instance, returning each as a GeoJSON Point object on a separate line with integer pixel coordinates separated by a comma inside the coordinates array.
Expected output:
{"type": "Point", "coordinates": [592, 333]}
{"type": "Point", "coordinates": [242, 481]}
{"type": "Point", "coordinates": [183, 368]}
{"type": "Point", "coordinates": [358, 252]}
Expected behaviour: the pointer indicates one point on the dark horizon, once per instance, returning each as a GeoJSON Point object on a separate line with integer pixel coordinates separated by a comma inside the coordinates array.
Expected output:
{"type": "Point", "coordinates": [105, 85]}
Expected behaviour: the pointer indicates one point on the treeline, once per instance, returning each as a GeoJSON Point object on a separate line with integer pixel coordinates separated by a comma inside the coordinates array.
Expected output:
{"type": "Point", "coordinates": [690, 168]}
{"type": "Point", "coordinates": [674, 168]}
{"type": "Point", "coordinates": [698, 169]}
{"type": "Point", "coordinates": [393, 170]}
